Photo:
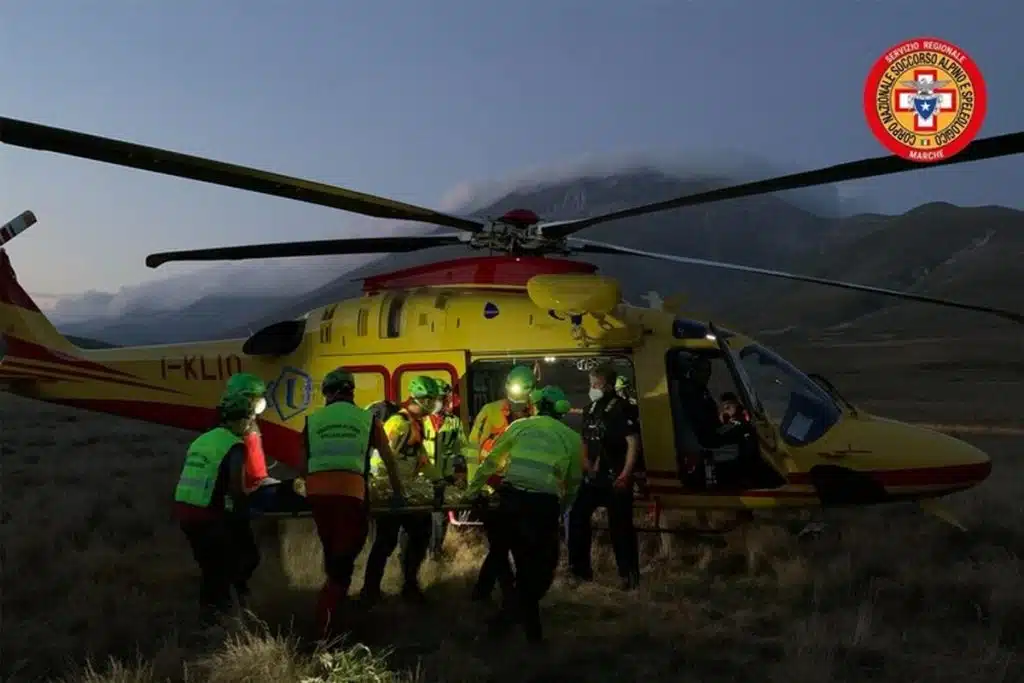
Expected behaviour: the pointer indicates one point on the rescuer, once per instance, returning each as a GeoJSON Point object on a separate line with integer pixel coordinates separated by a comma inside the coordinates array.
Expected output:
{"type": "Point", "coordinates": [253, 388]}
{"type": "Point", "coordinates": [492, 420]}
{"type": "Point", "coordinates": [624, 390]}
{"type": "Point", "coordinates": [210, 506]}
{"type": "Point", "coordinates": [445, 440]}
{"type": "Point", "coordinates": [405, 433]}
{"type": "Point", "coordinates": [540, 460]}
{"type": "Point", "coordinates": [338, 439]}
{"type": "Point", "coordinates": [611, 444]}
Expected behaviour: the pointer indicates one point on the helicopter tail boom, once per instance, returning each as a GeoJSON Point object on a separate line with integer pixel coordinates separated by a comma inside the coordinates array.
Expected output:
{"type": "Point", "coordinates": [25, 333]}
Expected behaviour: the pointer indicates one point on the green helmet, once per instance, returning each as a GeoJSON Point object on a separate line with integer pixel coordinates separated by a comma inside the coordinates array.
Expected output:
{"type": "Point", "coordinates": [234, 406]}
{"type": "Point", "coordinates": [621, 383]}
{"type": "Point", "coordinates": [551, 398]}
{"type": "Point", "coordinates": [443, 388]}
{"type": "Point", "coordinates": [245, 384]}
{"type": "Point", "coordinates": [519, 382]}
{"type": "Point", "coordinates": [423, 387]}
{"type": "Point", "coordinates": [338, 379]}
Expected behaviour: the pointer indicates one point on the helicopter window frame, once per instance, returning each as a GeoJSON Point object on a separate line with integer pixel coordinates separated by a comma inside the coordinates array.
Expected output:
{"type": "Point", "coordinates": [807, 399]}
{"type": "Point", "coordinates": [392, 314]}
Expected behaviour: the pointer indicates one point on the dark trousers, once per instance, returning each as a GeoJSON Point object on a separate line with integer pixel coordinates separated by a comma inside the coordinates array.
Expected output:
{"type": "Point", "coordinates": [526, 524]}
{"type": "Point", "coordinates": [619, 503]}
{"type": "Point", "coordinates": [417, 526]}
{"type": "Point", "coordinates": [342, 523]}
{"type": "Point", "coordinates": [495, 567]}
{"type": "Point", "coordinates": [227, 554]}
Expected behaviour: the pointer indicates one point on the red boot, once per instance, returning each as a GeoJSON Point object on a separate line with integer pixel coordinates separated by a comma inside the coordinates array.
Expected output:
{"type": "Point", "coordinates": [327, 605]}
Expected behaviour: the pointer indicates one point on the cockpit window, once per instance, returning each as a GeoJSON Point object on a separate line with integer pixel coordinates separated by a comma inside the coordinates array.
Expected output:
{"type": "Point", "coordinates": [795, 403]}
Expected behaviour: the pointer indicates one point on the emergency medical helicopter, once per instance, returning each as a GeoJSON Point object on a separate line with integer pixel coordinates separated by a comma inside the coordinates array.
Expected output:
{"type": "Point", "coordinates": [468, 320]}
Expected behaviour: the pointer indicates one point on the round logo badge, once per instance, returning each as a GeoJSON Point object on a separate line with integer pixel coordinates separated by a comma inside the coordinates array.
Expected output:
{"type": "Point", "coordinates": [925, 99]}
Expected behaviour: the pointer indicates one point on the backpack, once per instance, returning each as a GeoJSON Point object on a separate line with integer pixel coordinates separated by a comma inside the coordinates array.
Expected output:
{"type": "Point", "coordinates": [382, 410]}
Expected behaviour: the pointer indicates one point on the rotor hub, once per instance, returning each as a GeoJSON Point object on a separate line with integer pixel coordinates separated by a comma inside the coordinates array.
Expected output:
{"type": "Point", "coordinates": [519, 217]}
{"type": "Point", "coordinates": [517, 232]}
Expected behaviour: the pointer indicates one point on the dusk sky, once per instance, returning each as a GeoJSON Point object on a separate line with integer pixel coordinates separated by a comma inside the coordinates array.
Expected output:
{"type": "Point", "coordinates": [421, 99]}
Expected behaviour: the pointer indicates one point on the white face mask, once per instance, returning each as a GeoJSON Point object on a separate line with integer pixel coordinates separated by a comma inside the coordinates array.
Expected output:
{"type": "Point", "coordinates": [259, 406]}
{"type": "Point", "coordinates": [596, 394]}
{"type": "Point", "coordinates": [438, 407]}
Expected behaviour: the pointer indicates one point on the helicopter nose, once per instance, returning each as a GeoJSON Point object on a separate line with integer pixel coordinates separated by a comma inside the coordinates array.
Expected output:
{"type": "Point", "coordinates": [949, 464]}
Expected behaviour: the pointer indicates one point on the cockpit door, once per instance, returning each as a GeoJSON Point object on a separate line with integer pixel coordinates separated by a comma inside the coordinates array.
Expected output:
{"type": "Point", "coordinates": [767, 434]}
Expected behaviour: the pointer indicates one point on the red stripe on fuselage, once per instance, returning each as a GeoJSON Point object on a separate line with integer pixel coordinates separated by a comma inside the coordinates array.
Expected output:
{"type": "Point", "coordinates": [949, 475]}
{"type": "Point", "coordinates": [279, 442]}
{"type": "Point", "coordinates": [74, 376]}
{"type": "Point", "coordinates": [27, 350]}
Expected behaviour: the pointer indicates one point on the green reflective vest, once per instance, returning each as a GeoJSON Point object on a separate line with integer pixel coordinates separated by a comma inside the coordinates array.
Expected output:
{"type": "Point", "coordinates": [202, 466]}
{"type": "Point", "coordinates": [543, 455]}
{"type": "Point", "coordinates": [444, 444]}
{"type": "Point", "coordinates": [339, 438]}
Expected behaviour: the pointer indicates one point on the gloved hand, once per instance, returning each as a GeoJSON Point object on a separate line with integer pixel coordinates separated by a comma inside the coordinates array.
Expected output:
{"type": "Point", "coordinates": [397, 501]}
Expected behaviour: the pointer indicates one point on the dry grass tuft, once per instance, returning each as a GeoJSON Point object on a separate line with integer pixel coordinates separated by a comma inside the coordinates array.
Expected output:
{"type": "Point", "coordinates": [99, 587]}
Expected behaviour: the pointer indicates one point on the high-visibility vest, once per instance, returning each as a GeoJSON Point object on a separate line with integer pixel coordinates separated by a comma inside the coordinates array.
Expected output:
{"type": "Point", "coordinates": [495, 418]}
{"type": "Point", "coordinates": [339, 438]}
{"type": "Point", "coordinates": [442, 442]}
{"type": "Point", "coordinates": [202, 467]}
{"type": "Point", "coordinates": [541, 453]}
{"type": "Point", "coordinates": [411, 455]}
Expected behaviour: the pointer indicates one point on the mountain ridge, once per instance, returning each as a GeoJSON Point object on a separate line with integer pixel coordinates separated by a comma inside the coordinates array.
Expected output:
{"type": "Point", "coordinates": [766, 231]}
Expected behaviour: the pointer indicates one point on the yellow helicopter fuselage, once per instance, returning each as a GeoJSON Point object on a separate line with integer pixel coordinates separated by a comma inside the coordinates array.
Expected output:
{"type": "Point", "coordinates": [440, 320]}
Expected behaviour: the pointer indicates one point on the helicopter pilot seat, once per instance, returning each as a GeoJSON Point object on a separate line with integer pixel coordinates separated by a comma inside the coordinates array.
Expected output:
{"type": "Point", "coordinates": [710, 455]}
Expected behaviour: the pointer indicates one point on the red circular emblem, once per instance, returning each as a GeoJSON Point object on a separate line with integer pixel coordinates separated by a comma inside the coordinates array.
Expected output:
{"type": "Point", "coordinates": [925, 99]}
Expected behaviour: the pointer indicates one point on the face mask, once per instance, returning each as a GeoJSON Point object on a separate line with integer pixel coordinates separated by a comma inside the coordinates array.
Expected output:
{"type": "Point", "coordinates": [259, 406]}
{"type": "Point", "coordinates": [438, 407]}
{"type": "Point", "coordinates": [596, 394]}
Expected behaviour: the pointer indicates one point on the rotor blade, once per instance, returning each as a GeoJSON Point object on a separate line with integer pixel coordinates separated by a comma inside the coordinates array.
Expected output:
{"type": "Point", "coordinates": [605, 248]}
{"type": "Point", "coordinates": [988, 148]}
{"type": "Point", "coordinates": [62, 141]}
{"type": "Point", "coordinates": [361, 245]}
{"type": "Point", "coordinates": [17, 225]}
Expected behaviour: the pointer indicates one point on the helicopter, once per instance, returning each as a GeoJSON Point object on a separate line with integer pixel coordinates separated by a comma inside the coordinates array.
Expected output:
{"type": "Point", "coordinates": [468, 321]}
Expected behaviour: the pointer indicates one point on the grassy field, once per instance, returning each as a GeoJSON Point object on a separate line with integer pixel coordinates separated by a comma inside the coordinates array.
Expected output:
{"type": "Point", "coordinates": [99, 584]}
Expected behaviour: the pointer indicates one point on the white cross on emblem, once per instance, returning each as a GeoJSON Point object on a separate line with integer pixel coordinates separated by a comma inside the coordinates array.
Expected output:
{"type": "Point", "coordinates": [926, 102]}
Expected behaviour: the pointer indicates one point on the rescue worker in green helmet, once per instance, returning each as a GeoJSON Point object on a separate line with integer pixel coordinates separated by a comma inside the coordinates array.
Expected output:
{"type": "Point", "coordinates": [255, 389]}
{"type": "Point", "coordinates": [446, 443]}
{"type": "Point", "coordinates": [540, 459]}
{"type": "Point", "coordinates": [210, 506]}
{"type": "Point", "coordinates": [405, 432]}
{"type": "Point", "coordinates": [338, 439]}
{"type": "Point", "coordinates": [492, 420]}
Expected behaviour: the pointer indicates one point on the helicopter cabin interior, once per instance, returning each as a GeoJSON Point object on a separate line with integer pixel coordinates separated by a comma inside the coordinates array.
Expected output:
{"type": "Point", "coordinates": [728, 464]}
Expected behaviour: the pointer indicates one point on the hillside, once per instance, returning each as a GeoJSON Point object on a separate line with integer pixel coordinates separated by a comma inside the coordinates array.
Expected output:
{"type": "Point", "coordinates": [970, 254]}
{"type": "Point", "coordinates": [762, 231]}
{"type": "Point", "coordinates": [87, 343]}
{"type": "Point", "coordinates": [202, 319]}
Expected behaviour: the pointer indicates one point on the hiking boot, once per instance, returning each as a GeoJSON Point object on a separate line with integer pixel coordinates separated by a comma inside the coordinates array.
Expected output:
{"type": "Point", "coordinates": [631, 582]}
{"type": "Point", "coordinates": [412, 593]}
{"type": "Point", "coordinates": [499, 625]}
{"type": "Point", "coordinates": [369, 598]}
{"type": "Point", "coordinates": [576, 580]}
{"type": "Point", "coordinates": [242, 595]}
{"type": "Point", "coordinates": [532, 629]}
